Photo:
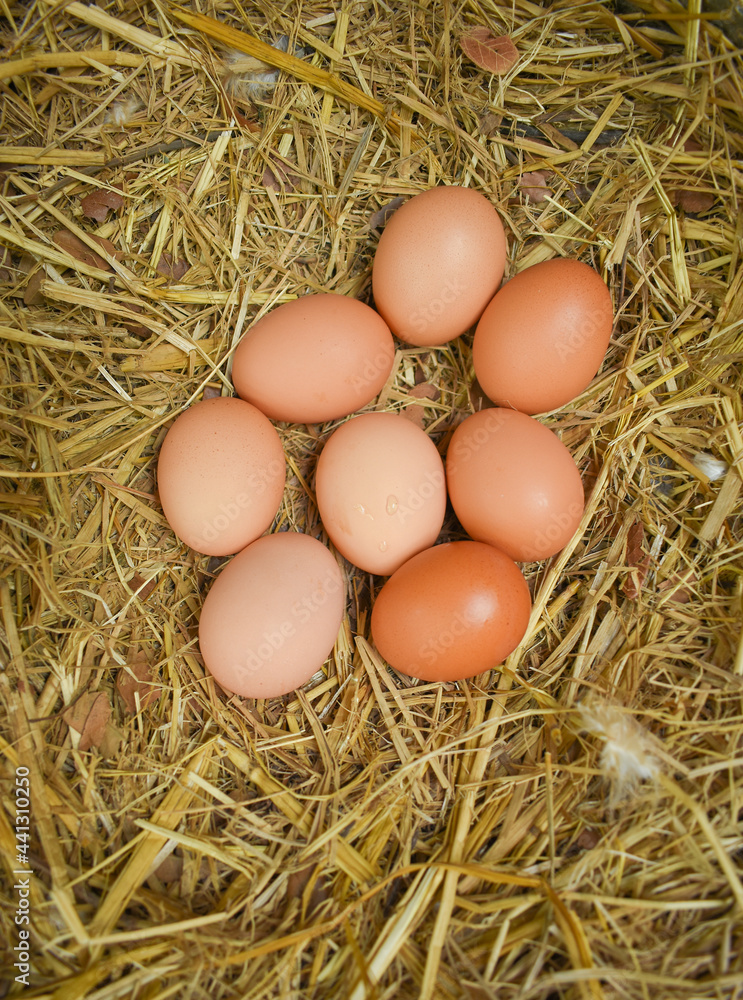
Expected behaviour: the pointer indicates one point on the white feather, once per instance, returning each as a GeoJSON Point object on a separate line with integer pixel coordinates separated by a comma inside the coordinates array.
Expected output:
{"type": "Point", "coordinates": [122, 112]}
{"type": "Point", "coordinates": [713, 468]}
{"type": "Point", "coordinates": [628, 756]}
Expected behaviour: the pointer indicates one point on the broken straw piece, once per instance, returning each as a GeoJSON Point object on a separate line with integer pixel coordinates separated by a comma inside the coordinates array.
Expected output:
{"type": "Point", "coordinates": [628, 756]}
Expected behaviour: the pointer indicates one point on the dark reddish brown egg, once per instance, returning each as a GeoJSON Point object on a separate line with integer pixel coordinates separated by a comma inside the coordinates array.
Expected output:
{"type": "Point", "coordinates": [451, 612]}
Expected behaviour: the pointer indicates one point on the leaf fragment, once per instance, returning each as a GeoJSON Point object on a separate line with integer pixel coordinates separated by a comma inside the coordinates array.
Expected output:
{"type": "Point", "coordinates": [692, 199]}
{"type": "Point", "coordinates": [279, 176]}
{"type": "Point", "coordinates": [172, 269]}
{"type": "Point", "coordinates": [493, 54]}
{"type": "Point", "coordinates": [89, 716]}
{"type": "Point", "coordinates": [75, 247]}
{"type": "Point", "coordinates": [535, 187]}
{"type": "Point", "coordinates": [100, 202]}
{"type": "Point", "coordinates": [136, 683]}
{"type": "Point", "coordinates": [32, 292]}
{"type": "Point", "coordinates": [379, 218]}
{"type": "Point", "coordinates": [6, 264]}
{"type": "Point", "coordinates": [637, 559]}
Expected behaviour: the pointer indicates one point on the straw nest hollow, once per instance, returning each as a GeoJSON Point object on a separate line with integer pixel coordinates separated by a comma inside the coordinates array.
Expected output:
{"type": "Point", "coordinates": [567, 825]}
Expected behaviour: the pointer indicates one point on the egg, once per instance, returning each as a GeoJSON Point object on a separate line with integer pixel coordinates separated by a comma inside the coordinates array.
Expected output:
{"type": "Point", "coordinates": [514, 484]}
{"type": "Point", "coordinates": [271, 617]}
{"type": "Point", "coordinates": [452, 611]}
{"type": "Point", "coordinates": [439, 261]}
{"type": "Point", "coordinates": [543, 337]}
{"type": "Point", "coordinates": [381, 490]}
{"type": "Point", "coordinates": [220, 475]}
{"type": "Point", "coordinates": [319, 357]}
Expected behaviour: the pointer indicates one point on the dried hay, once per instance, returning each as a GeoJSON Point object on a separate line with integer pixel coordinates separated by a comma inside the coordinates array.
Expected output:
{"type": "Point", "coordinates": [368, 837]}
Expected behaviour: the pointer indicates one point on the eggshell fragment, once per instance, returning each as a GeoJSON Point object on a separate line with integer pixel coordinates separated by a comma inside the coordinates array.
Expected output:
{"type": "Point", "coordinates": [514, 484]}
{"type": "Point", "coordinates": [381, 490]}
{"type": "Point", "coordinates": [451, 612]}
{"type": "Point", "coordinates": [543, 336]}
{"type": "Point", "coordinates": [316, 358]}
{"type": "Point", "coordinates": [272, 615]}
{"type": "Point", "coordinates": [220, 475]}
{"type": "Point", "coordinates": [439, 261]}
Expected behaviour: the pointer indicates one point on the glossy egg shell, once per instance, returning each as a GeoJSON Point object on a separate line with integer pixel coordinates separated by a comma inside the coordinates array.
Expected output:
{"type": "Point", "coordinates": [271, 617]}
{"type": "Point", "coordinates": [381, 490]}
{"type": "Point", "coordinates": [439, 261]}
{"type": "Point", "coordinates": [220, 475]}
{"type": "Point", "coordinates": [543, 337]}
{"type": "Point", "coordinates": [514, 484]}
{"type": "Point", "coordinates": [316, 358]}
{"type": "Point", "coordinates": [451, 612]}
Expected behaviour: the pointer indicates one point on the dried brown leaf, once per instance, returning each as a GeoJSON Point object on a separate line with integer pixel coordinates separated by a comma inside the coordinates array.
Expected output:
{"type": "Point", "coordinates": [100, 202]}
{"type": "Point", "coordinates": [534, 185]}
{"type": "Point", "coordinates": [478, 399]}
{"type": "Point", "coordinates": [75, 247]}
{"type": "Point", "coordinates": [141, 587]}
{"type": "Point", "coordinates": [89, 717]}
{"type": "Point", "coordinates": [6, 263]}
{"type": "Point", "coordinates": [136, 329]}
{"type": "Point", "coordinates": [424, 390]}
{"type": "Point", "coordinates": [488, 52]}
{"type": "Point", "coordinates": [416, 414]}
{"type": "Point", "coordinates": [278, 176]}
{"type": "Point", "coordinates": [635, 543]}
{"type": "Point", "coordinates": [587, 839]}
{"type": "Point", "coordinates": [298, 883]}
{"type": "Point", "coordinates": [172, 269]}
{"type": "Point", "coordinates": [490, 123]}
{"type": "Point", "coordinates": [379, 218]}
{"type": "Point", "coordinates": [137, 684]}
{"type": "Point", "coordinates": [112, 740]}
{"type": "Point", "coordinates": [637, 559]}
{"type": "Point", "coordinates": [692, 199]}
{"type": "Point", "coordinates": [32, 293]}
{"type": "Point", "coordinates": [170, 870]}
{"type": "Point", "coordinates": [678, 587]}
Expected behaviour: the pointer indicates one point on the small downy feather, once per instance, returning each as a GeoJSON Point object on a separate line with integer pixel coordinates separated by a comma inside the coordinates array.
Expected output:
{"type": "Point", "coordinates": [123, 112]}
{"type": "Point", "coordinates": [248, 78]}
{"type": "Point", "coordinates": [713, 468]}
{"type": "Point", "coordinates": [628, 756]}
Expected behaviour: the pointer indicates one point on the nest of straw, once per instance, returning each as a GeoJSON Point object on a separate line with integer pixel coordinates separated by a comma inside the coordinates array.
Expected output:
{"type": "Point", "coordinates": [161, 187]}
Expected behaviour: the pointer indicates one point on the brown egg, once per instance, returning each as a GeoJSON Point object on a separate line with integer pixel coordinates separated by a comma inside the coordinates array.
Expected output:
{"type": "Point", "coordinates": [272, 615]}
{"type": "Point", "coordinates": [451, 612]}
{"type": "Point", "coordinates": [439, 262]}
{"type": "Point", "coordinates": [220, 475]}
{"type": "Point", "coordinates": [381, 490]}
{"type": "Point", "coordinates": [543, 337]}
{"type": "Point", "coordinates": [514, 484]}
{"type": "Point", "coordinates": [319, 357]}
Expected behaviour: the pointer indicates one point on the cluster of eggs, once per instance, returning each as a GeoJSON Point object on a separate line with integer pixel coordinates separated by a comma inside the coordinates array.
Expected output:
{"type": "Point", "coordinates": [447, 611]}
